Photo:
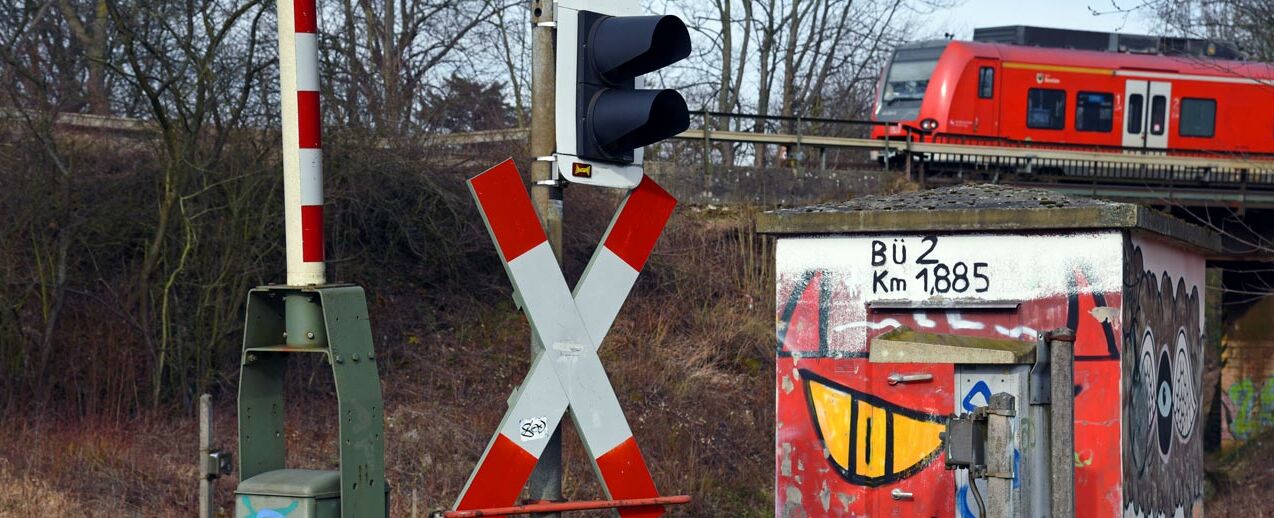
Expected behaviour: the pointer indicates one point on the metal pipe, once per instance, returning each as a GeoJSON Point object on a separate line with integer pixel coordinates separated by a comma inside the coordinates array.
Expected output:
{"type": "Point", "coordinates": [1062, 423]}
{"type": "Point", "coordinates": [302, 141]}
{"type": "Point", "coordinates": [977, 496]}
{"type": "Point", "coordinates": [569, 506]}
{"type": "Point", "coordinates": [1036, 488]}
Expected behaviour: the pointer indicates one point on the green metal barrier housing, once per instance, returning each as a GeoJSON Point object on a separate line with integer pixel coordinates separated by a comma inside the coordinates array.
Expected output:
{"type": "Point", "coordinates": [333, 321]}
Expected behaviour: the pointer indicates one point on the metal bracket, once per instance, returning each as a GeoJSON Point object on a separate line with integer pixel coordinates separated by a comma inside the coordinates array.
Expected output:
{"type": "Point", "coordinates": [216, 464]}
{"type": "Point", "coordinates": [1040, 382]}
{"type": "Point", "coordinates": [556, 180]}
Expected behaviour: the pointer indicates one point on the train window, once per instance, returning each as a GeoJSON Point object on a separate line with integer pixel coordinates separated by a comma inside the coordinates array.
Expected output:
{"type": "Point", "coordinates": [1094, 111]}
{"type": "Point", "coordinates": [1198, 118]}
{"type": "Point", "coordinates": [1135, 114]}
{"type": "Point", "coordinates": [1045, 108]}
{"type": "Point", "coordinates": [986, 82]}
{"type": "Point", "coordinates": [1158, 114]}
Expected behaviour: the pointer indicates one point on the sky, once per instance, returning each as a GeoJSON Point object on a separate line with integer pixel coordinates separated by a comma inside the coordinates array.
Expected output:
{"type": "Point", "coordinates": [1062, 14]}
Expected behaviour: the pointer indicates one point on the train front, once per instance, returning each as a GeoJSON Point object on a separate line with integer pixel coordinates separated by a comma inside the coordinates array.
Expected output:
{"type": "Point", "coordinates": [901, 91]}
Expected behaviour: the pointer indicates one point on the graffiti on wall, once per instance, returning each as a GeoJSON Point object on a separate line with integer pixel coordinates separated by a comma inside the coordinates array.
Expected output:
{"type": "Point", "coordinates": [1247, 378]}
{"type": "Point", "coordinates": [870, 441]}
{"type": "Point", "coordinates": [840, 438]}
{"type": "Point", "coordinates": [1162, 372]}
{"type": "Point", "coordinates": [1248, 407]}
{"type": "Point", "coordinates": [845, 438]}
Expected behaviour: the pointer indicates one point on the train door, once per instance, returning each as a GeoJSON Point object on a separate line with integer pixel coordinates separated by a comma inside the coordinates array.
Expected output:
{"type": "Point", "coordinates": [1146, 105]}
{"type": "Point", "coordinates": [986, 111]}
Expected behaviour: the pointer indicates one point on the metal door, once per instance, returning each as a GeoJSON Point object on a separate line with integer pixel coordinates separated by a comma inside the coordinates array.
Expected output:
{"type": "Point", "coordinates": [1146, 105]}
{"type": "Point", "coordinates": [900, 445]}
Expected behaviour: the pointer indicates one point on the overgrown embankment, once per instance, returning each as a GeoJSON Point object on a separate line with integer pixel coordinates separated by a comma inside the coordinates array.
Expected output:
{"type": "Point", "coordinates": [103, 360]}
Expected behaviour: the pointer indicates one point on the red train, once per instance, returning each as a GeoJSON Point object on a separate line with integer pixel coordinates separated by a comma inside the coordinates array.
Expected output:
{"type": "Point", "coordinates": [967, 90]}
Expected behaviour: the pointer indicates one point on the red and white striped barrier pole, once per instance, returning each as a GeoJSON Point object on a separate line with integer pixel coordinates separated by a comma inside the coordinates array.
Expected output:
{"type": "Point", "coordinates": [302, 153]}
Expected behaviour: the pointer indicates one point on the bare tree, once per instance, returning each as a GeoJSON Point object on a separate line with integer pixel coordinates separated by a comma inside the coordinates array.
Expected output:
{"type": "Point", "coordinates": [196, 65]}
{"type": "Point", "coordinates": [90, 31]}
{"type": "Point", "coordinates": [385, 52]}
{"type": "Point", "coordinates": [35, 60]}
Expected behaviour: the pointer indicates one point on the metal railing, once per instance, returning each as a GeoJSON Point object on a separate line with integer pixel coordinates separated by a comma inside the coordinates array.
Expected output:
{"type": "Point", "coordinates": [921, 155]}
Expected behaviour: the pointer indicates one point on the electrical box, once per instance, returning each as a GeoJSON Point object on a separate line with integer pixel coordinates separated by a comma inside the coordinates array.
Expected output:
{"type": "Point", "coordinates": [859, 432]}
{"type": "Point", "coordinates": [294, 493]}
{"type": "Point", "coordinates": [965, 442]}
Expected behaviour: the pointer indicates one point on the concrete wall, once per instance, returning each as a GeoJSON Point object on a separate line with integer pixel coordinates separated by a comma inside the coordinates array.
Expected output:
{"type": "Point", "coordinates": [768, 187]}
{"type": "Point", "coordinates": [1247, 380]}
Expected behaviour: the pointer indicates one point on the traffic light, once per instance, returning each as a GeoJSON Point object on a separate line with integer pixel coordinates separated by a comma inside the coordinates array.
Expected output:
{"type": "Point", "coordinates": [604, 117]}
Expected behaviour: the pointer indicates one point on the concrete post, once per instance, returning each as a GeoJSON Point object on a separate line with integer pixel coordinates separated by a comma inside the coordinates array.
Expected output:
{"type": "Point", "coordinates": [707, 149]}
{"type": "Point", "coordinates": [207, 484]}
{"type": "Point", "coordinates": [546, 479]}
{"type": "Point", "coordinates": [999, 456]}
{"type": "Point", "coordinates": [1062, 422]}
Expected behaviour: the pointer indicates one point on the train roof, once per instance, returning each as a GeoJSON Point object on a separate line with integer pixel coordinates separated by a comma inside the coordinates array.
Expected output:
{"type": "Point", "coordinates": [1116, 60]}
{"type": "Point", "coordinates": [1107, 41]}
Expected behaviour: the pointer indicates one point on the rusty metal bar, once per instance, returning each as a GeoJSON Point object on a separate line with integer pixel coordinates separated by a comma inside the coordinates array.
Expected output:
{"type": "Point", "coordinates": [552, 507]}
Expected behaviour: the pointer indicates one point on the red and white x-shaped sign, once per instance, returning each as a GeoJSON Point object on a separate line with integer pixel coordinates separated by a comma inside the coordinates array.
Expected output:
{"type": "Point", "coordinates": [570, 326]}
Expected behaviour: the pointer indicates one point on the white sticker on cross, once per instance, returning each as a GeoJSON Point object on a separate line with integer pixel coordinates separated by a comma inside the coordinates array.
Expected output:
{"type": "Point", "coordinates": [567, 374]}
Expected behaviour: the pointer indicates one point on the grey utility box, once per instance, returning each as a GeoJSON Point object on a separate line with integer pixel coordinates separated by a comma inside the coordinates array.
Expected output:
{"type": "Point", "coordinates": [294, 493]}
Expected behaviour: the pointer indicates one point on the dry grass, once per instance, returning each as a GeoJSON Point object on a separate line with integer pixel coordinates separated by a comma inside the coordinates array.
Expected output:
{"type": "Point", "coordinates": [91, 467]}
{"type": "Point", "coordinates": [1241, 481]}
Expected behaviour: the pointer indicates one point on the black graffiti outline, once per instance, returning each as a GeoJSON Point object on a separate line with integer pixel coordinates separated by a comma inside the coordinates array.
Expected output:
{"type": "Point", "coordinates": [824, 309]}
{"type": "Point", "coordinates": [1072, 320]}
{"type": "Point", "coordinates": [1164, 412]}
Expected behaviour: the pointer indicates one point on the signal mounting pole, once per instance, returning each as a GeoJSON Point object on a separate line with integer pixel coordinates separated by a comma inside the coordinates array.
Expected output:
{"type": "Point", "coordinates": [589, 112]}
{"type": "Point", "coordinates": [545, 484]}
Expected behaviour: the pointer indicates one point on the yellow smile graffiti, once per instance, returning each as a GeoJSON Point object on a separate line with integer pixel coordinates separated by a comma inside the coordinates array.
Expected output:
{"type": "Point", "coordinates": [868, 440]}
